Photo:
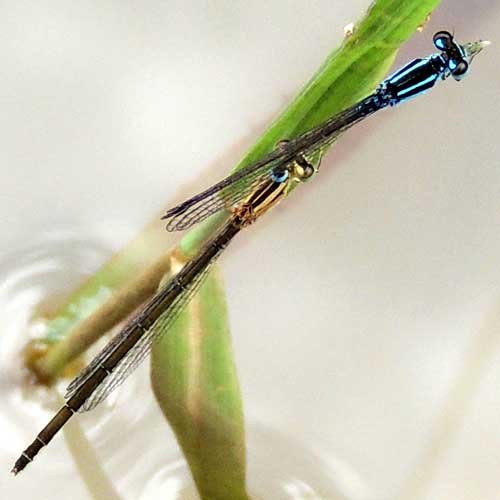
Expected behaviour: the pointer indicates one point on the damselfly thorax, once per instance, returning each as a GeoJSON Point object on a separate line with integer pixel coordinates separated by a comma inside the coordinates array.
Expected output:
{"type": "Point", "coordinates": [273, 191]}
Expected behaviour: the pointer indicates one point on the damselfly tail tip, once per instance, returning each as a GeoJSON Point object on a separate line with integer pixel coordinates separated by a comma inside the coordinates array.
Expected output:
{"type": "Point", "coordinates": [15, 470]}
{"type": "Point", "coordinates": [169, 213]}
{"type": "Point", "coordinates": [480, 45]}
{"type": "Point", "coordinates": [472, 49]}
{"type": "Point", "coordinates": [20, 464]}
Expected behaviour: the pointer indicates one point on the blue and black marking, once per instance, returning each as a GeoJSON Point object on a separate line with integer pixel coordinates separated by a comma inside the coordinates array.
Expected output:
{"type": "Point", "coordinates": [420, 75]}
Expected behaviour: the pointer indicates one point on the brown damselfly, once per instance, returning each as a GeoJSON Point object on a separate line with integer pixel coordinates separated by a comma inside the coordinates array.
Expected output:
{"type": "Point", "coordinates": [131, 345]}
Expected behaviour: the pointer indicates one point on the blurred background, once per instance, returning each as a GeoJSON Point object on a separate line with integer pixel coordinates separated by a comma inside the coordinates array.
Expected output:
{"type": "Point", "coordinates": [365, 310]}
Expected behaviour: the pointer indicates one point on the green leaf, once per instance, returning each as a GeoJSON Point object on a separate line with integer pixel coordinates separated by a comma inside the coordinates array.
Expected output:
{"type": "Point", "coordinates": [192, 369]}
{"type": "Point", "coordinates": [349, 73]}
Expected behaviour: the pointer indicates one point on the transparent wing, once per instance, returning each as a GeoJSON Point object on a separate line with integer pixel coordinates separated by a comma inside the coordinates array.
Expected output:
{"type": "Point", "coordinates": [142, 348]}
{"type": "Point", "coordinates": [89, 370]}
{"type": "Point", "coordinates": [225, 194]}
{"type": "Point", "coordinates": [224, 198]}
{"type": "Point", "coordinates": [138, 352]}
{"type": "Point", "coordinates": [237, 186]}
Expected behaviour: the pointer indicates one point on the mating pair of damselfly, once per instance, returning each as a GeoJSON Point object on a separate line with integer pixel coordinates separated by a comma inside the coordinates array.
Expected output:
{"type": "Point", "coordinates": [247, 194]}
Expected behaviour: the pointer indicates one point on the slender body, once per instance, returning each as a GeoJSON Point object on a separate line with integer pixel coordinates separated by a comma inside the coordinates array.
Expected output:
{"type": "Point", "coordinates": [413, 79]}
{"type": "Point", "coordinates": [248, 193]}
{"type": "Point", "coordinates": [129, 347]}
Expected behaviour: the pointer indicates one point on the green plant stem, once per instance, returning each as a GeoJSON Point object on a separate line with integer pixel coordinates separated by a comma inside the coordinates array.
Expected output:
{"type": "Point", "coordinates": [120, 305]}
{"type": "Point", "coordinates": [195, 382]}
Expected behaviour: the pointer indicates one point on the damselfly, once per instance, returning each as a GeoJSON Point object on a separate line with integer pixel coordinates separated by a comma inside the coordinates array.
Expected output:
{"type": "Point", "coordinates": [129, 347]}
{"type": "Point", "coordinates": [415, 78]}
{"type": "Point", "coordinates": [247, 193]}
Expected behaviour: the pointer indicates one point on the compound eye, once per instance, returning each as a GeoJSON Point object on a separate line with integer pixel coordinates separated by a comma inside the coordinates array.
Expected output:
{"type": "Point", "coordinates": [443, 40]}
{"type": "Point", "coordinates": [460, 70]}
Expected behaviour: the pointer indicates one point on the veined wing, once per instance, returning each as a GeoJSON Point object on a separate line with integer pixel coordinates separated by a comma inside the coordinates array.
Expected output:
{"type": "Point", "coordinates": [140, 338]}
{"type": "Point", "coordinates": [141, 349]}
{"type": "Point", "coordinates": [228, 192]}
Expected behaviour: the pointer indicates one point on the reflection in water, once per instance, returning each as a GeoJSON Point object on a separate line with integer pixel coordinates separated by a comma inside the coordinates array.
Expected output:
{"type": "Point", "coordinates": [279, 468]}
{"type": "Point", "coordinates": [32, 280]}
{"type": "Point", "coordinates": [127, 432]}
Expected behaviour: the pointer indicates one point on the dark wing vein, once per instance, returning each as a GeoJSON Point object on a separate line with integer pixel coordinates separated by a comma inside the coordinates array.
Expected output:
{"type": "Point", "coordinates": [225, 198]}
{"type": "Point", "coordinates": [142, 348]}
{"type": "Point", "coordinates": [237, 186]}
{"type": "Point", "coordinates": [225, 193]}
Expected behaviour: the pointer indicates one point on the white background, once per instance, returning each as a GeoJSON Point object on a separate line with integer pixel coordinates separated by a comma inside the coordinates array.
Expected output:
{"type": "Point", "coordinates": [365, 309]}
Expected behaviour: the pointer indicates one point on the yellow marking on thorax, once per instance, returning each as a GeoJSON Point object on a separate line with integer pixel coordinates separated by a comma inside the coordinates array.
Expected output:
{"type": "Point", "coordinates": [271, 193]}
{"type": "Point", "coordinates": [260, 201]}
